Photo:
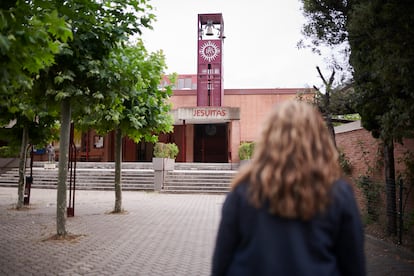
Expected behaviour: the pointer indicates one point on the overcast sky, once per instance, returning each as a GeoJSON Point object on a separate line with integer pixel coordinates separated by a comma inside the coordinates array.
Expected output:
{"type": "Point", "coordinates": [259, 49]}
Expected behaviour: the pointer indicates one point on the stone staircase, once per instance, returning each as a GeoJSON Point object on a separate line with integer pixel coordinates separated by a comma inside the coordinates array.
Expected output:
{"type": "Point", "coordinates": [89, 175]}
{"type": "Point", "coordinates": [186, 177]}
{"type": "Point", "coordinates": [198, 181]}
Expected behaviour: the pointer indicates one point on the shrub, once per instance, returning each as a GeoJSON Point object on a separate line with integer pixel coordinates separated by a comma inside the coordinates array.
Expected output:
{"type": "Point", "coordinates": [7, 151]}
{"type": "Point", "coordinates": [246, 150]}
{"type": "Point", "coordinates": [165, 150]}
{"type": "Point", "coordinates": [345, 163]}
{"type": "Point", "coordinates": [371, 191]}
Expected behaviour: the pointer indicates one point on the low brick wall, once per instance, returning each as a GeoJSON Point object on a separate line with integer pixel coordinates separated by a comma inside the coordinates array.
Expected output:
{"type": "Point", "coordinates": [365, 154]}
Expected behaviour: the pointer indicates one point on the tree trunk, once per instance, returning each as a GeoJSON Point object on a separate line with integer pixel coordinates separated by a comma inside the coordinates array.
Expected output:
{"type": "Point", "coordinates": [389, 168]}
{"type": "Point", "coordinates": [326, 102]}
{"type": "Point", "coordinates": [328, 115]}
{"type": "Point", "coordinates": [330, 127]}
{"type": "Point", "coordinates": [118, 160]}
{"type": "Point", "coordinates": [22, 168]}
{"type": "Point", "coordinates": [63, 167]}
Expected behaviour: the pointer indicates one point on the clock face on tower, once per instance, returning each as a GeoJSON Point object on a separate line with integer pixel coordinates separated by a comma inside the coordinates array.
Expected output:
{"type": "Point", "coordinates": [209, 51]}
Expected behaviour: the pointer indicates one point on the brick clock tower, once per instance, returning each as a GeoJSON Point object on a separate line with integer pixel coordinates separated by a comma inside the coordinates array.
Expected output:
{"type": "Point", "coordinates": [210, 88]}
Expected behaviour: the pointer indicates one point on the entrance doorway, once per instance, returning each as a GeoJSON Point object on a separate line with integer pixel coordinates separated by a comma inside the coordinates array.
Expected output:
{"type": "Point", "coordinates": [211, 143]}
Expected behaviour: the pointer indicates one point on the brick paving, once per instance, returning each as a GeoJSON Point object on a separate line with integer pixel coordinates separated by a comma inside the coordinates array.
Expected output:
{"type": "Point", "coordinates": [159, 234]}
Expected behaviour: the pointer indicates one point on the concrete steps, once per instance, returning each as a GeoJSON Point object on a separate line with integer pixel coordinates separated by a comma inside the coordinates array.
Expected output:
{"type": "Point", "coordinates": [186, 178]}
{"type": "Point", "coordinates": [88, 176]}
{"type": "Point", "coordinates": [198, 181]}
{"type": "Point", "coordinates": [200, 178]}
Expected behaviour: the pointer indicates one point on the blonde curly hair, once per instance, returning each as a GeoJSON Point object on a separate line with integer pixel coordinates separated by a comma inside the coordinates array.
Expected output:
{"type": "Point", "coordinates": [294, 164]}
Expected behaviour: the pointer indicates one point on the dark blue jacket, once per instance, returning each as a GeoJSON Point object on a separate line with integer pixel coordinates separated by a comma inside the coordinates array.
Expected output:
{"type": "Point", "coordinates": [251, 241]}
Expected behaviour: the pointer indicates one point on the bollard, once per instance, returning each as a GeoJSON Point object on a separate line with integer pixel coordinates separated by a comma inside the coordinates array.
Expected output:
{"type": "Point", "coordinates": [401, 214]}
{"type": "Point", "coordinates": [28, 186]}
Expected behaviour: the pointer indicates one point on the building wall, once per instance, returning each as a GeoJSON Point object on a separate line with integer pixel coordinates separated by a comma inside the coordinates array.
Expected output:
{"type": "Point", "coordinates": [235, 141]}
{"type": "Point", "coordinates": [362, 151]}
{"type": "Point", "coordinates": [183, 99]}
{"type": "Point", "coordinates": [253, 110]}
{"type": "Point", "coordinates": [190, 143]}
{"type": "Point", "coordinates": [254, 105]}
{"type": "Point", "coordinates": [366, 157]}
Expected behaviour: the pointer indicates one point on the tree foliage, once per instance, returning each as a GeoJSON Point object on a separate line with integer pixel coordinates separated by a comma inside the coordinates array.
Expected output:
{"type": "Point", "coordinates": [73, 84]}
{"type": "Point", "coordinates": [32, 33]}
{"type": "Point", "coordinates": [135, 103]}
{"type": "Point", "coordinates": [136, 107]}
{"type": "Point", "coordinates": [327, 21]}
{"type": "Point", "coordinates": [380, 36]}
{"type": "Point", "coordinates": [379, 33]}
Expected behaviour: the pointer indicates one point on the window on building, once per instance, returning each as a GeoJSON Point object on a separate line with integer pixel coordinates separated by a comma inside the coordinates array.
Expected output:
{"type": "Point", "coordinates": [184, 83]}
{"type": "Point", "coordinates": [180, 83]}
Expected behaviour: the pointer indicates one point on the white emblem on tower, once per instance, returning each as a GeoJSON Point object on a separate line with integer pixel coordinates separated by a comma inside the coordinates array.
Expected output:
{"type": "Point", "coordinates": [209, 51]}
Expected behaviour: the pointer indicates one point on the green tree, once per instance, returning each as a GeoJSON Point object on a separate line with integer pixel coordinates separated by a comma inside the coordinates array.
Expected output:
{"type": "Point", "coordinates": [327, 21]}
{"type": "Point", "coordinates": [73, 84]}
{"type": "Point", "coordinates": [379, 34]}
{"type": "Point", "coordinates": [137, 107]}
{"type": "Point", "coordinates": [31, 35]}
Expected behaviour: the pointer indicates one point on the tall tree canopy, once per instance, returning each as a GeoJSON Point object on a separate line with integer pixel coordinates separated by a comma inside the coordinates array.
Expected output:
{"type": "Point", "coordinates": [381, 36]}
{"type": "Point", "coordinates": [136, 107]}
{"type": "Point", "coordinates": [73, 84]}
{"type": "Point", "coordinates": [32, 33]}
{"type": "Point", "coordinates": [327, 21]}
{"type": "Point", "coordinates": [379, 33]}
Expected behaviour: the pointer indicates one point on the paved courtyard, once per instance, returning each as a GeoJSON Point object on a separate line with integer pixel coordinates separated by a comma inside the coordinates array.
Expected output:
{"type": "Point", "coordinates": [159, 234]}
